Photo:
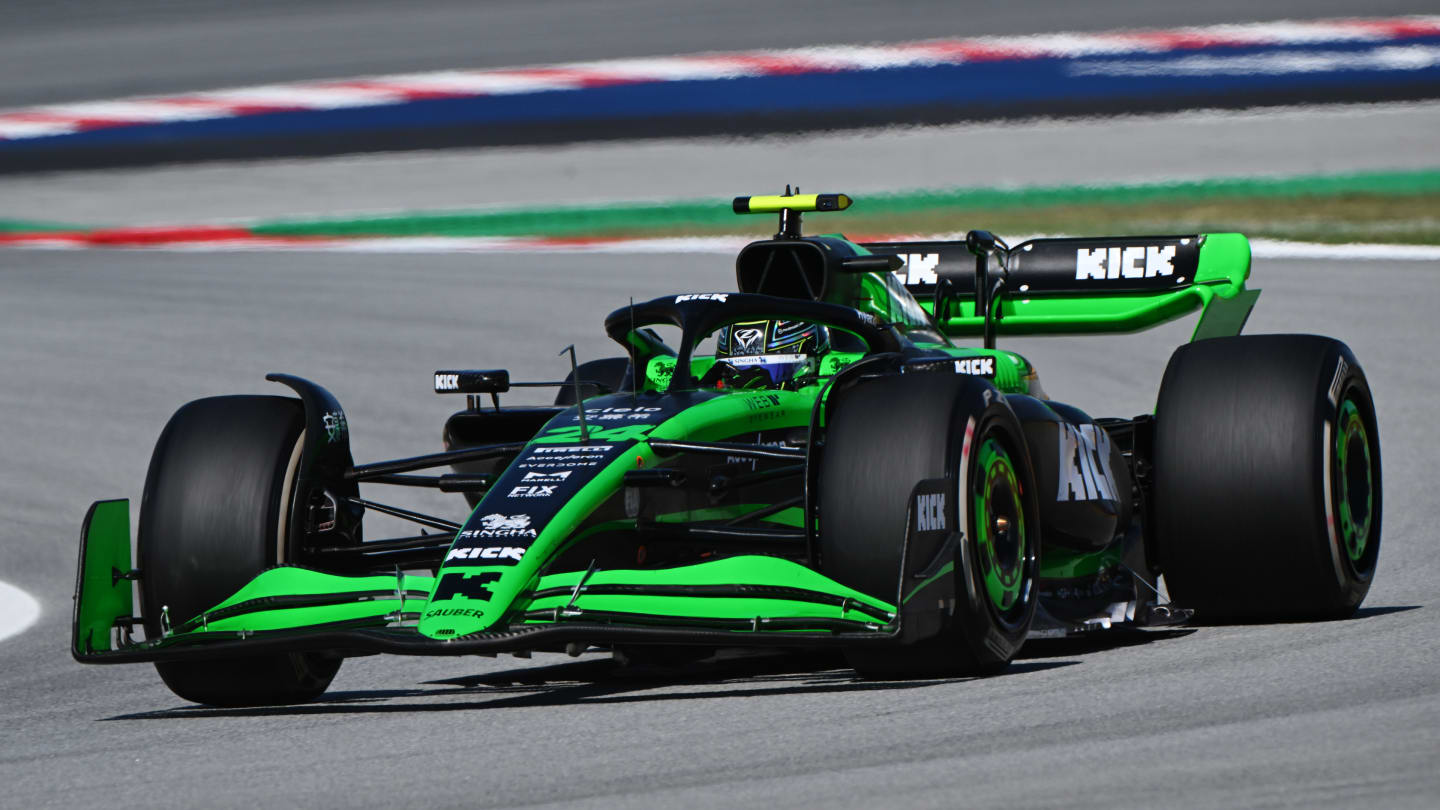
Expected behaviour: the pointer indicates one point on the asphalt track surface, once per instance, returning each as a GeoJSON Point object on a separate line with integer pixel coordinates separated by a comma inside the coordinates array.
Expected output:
{"type": "Point", "coordinates": [73, 50]}
{"type": "Point", "coordinates": [1305, 140]}
{"type": "Point", "coordinates": [100, 347]}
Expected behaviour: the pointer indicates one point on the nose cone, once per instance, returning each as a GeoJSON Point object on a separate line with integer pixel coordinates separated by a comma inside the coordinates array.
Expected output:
{"type": "Point", "coordinates": [465, 601]}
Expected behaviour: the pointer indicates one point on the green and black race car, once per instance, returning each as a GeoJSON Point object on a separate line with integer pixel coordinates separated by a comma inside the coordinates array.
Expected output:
{"type": "Point", "coordinates": [810, 463]}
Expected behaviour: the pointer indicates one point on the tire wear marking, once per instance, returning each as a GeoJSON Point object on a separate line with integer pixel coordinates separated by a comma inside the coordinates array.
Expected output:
{"type": "Point", "coordinates": [962, 506]}
{"type": "Point", "coordinates": [1327, 452]}
{"type": "Point", "coordinates": [1341, 369]}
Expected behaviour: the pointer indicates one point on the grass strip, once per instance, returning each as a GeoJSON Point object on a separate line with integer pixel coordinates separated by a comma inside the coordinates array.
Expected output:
{"type": "Point", "coordinates": [31, 226]}
{"type": "Point", "coordinates": [1389, 207]}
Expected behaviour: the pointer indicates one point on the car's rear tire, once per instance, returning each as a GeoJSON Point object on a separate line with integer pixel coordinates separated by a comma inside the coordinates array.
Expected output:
{"type": "Point", "coordinates": [885, 436]}
{"type": "Point", "coordinates": [215, 506]}
{"type": "Point", "coordinates": [1267, 479]}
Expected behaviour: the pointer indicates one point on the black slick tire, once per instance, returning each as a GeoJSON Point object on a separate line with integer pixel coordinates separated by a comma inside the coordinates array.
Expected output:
{"type": "Point", "coordinates": [216, 500]}
{"type": "Point", "coordinates": [883, 437]}
{"type": "Point", "coordinates": [1267, 479]}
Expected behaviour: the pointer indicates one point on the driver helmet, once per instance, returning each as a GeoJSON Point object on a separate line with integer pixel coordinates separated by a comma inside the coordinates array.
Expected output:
{"type": "Point", "coordinates": [772, 353]}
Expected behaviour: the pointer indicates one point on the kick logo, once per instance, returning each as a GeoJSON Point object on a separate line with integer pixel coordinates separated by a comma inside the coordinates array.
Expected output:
{"type": "Point", "coordinates": [1124, 262]}
{"type": "Point", "coordinates": [977, 366]}
{"type": "Point", "coordinates": [463, 583]}
{"type": "Point", "coordinates": [919, 268]}
{"type": "Point", "coordinates": [486, 553]}
{"type": "Point", "coordinates": [680, 299]}
{"type": "Point", "coordinates": [930, 512]}
{"type": "Point", "coordinates": [1084, 464]}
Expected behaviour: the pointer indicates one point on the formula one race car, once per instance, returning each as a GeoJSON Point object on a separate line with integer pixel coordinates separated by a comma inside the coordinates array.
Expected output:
{"type": "Point", "coordinates": [812, 463]}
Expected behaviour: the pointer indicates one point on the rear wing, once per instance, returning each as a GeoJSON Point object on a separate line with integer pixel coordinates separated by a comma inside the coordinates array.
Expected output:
{"type": "Point", "coordinates": [1083, 285]}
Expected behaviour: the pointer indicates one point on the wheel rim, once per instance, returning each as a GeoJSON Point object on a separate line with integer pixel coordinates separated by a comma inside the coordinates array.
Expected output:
{"type": "Point", "coordinates": [1001, 539]}
{"type": "Point", "coordinates": [1354, 474]}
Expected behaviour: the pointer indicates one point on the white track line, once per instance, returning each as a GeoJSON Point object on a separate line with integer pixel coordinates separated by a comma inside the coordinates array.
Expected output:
{"type": "Point", "coordinates": [18, 610]}
{"type": "Point", "coordinates": [1276, 249]}
{"type": "Point", "coordinates": [1259, 248]}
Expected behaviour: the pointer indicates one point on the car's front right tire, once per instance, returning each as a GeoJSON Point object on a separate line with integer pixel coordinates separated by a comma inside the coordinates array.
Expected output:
{"type": "Point", "coordinates": [213, 517]}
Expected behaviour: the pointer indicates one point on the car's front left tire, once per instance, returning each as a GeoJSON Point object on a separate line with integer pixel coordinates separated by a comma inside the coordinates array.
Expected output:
{"type": "Point", "coordinates": [885, 436]}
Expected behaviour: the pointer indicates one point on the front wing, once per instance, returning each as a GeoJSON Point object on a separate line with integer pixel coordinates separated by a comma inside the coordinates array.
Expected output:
{"type": "Point", "coordinates": [743, 601]}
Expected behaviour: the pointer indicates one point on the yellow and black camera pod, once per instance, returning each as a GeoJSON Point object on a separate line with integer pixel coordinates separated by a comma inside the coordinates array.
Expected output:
{"type": "Point", "coordinates": [789, 206]}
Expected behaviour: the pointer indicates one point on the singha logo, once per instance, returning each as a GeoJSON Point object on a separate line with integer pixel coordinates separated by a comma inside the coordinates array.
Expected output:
{"type": "Point", "coordinates": [498, 525]}
{"type": "Point", "coordinates": [498, 521]}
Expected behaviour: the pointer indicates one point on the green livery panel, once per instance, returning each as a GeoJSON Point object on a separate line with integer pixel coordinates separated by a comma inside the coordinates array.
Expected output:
{"type": "Point", "coordinates": [103, 593]}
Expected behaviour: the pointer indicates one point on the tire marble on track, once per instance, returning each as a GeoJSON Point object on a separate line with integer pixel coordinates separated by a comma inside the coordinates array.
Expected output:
{"type": "Point", "coordinates": [99, 348]}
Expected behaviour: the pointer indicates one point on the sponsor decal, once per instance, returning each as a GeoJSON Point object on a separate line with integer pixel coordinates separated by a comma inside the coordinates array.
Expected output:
{"type": "Point", "coordinates": [498, 525]}
{"type": "Point", "coordinates": [566, 457]}
{"type": "Point", "coordinates": [1084, 464]}
{"type": "Point", "coordinates": [680, 299]}
{"type": "Point", "coordinates": [471, 585]}
{"type": "Point", "coordinates": [335, 426]}
{"type": "Point", "coordinates": [486, 553]}
{"type": "Point", "coordinates": [471, 613]}
{"type": "Point", "coordinates": [1103, 263]}
{"type": "Point", "coordinates": [930, 512]}
{"type": "Point", "coordinates": [747, 341]}
{"type": "Point", "coordinates": [661, 369]}
{"type": "Point", "coordinates": [556, 477]}
{"type": "Point", "coordinates": [976, 366]}
{"type": "Point", "coordinates": [766, 359]}
{"type": "Point", "coordinates": [762, 402]}
{"type": "Point", "coordinates": [447, 382]}
{"type": "Point", "coordinates": [571, 433]}
{"type": "Point", "coordinates": [919, 268]}
{"type": "Point", "coordinates": [535, 491]}
{"type": "Point", "coordinates": [567, 462]}
{"type": "Point", "coordinates": [614, 414]}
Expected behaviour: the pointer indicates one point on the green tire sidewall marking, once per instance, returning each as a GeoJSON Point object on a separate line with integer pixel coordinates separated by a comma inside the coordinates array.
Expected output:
{"type": "Point", "coordinates": [1355, 532]}
{"type": "Point", "coordinates": [1003, 582]}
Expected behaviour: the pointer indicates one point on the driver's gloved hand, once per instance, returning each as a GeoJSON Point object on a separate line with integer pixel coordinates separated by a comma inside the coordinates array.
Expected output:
{"type": "Point", "coordinates": [749, 378]}
{"type": "Point", "coordinates": [725, 375]}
